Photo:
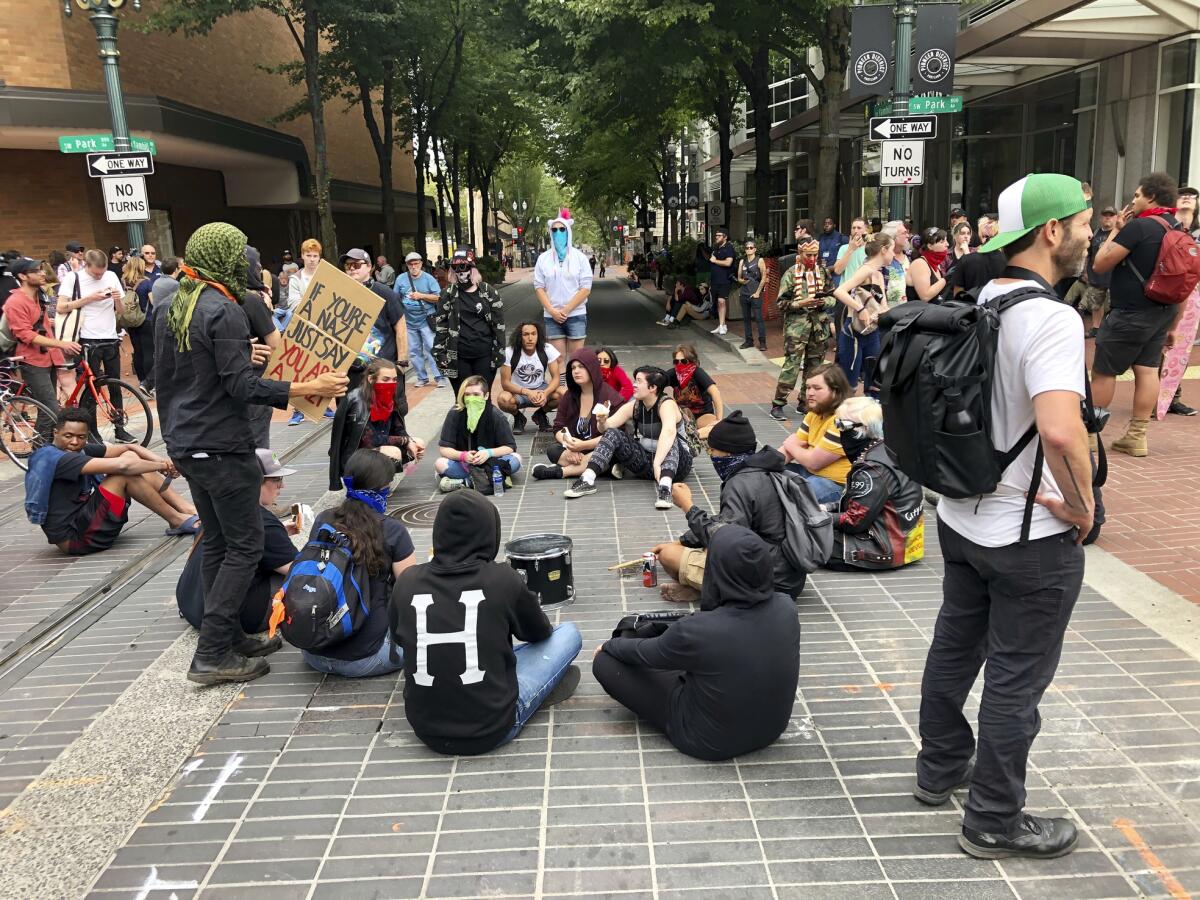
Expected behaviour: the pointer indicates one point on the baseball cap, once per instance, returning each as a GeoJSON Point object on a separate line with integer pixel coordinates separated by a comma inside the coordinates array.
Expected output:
{"type": "Point", "coordinates": [1032, 202]}
{"type": "Point", "coordinates": [355, 254]}
{"type": "Point", "coordinates": [24, 264]}
{"type": "Point", "coordinates": [722, 230]}
{"type": "Point", "coordinates": [463, 256]}
{"type": "Point", "coordinates": [74, 247]}
{"type": "Point", "coordinates": [412, 257]}
{"type": "Point", "coordinates": [958, 211]}
{"type": "Point", "coordinates": [268, 461]}
{"type": "Point", "coordinates": [1108, 211]}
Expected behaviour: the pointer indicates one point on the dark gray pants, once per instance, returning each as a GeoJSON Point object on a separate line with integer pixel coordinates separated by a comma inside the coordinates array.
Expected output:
{"type": "Point", "coordinates": [618, 446]}
{"type": "Point", "coordinates": [39, 384]}
{"type": "Point", "coordinates": [1008, 606]}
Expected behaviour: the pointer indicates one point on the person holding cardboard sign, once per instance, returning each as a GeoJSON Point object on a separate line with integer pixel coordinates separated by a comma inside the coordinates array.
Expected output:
{"type": "Point", "coordinates": [206, 382]}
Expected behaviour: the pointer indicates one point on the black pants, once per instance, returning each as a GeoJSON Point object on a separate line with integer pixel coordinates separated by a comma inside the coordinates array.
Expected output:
{"type": "Point", "coordinates": [142, 339]}
{"type": "Point", "coordinates": [1009, 606]}
{"type": "Point", "coordinates": [618, 446]}
{"type": "Point", "coordinates": [225, 492]}
{"type": "Point", "coordinates": [646, 692]}
{"type": "Point", "coordinates": [39, 384]}
{"type": "Point", "coordinates": [471, 365]}
{"type": "Point", "coordinates": [104, 357]}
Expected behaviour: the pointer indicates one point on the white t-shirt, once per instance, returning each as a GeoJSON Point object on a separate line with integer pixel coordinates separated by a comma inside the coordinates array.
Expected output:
{"type": "Point", "coordinates": [96, 320]}
{"type": "Point", "coordinates": [563, 280]}
{"type": "Point", "coordinates": [529, 372]}
{"type": "Point", "coordinates": [297, 285]}
{"type": "Point", "coordinates": [1040, 349]}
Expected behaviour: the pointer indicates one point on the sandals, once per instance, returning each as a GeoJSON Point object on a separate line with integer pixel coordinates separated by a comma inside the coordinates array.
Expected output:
{"type": "Point", "coordinates": [190, 525]}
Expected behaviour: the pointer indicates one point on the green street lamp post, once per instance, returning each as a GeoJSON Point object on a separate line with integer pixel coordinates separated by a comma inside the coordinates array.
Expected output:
{"type": "Point", "coordinates": [105, 21]}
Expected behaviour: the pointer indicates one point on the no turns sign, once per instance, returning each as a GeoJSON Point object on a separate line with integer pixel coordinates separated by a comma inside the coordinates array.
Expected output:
{"type": "Point", "coordinates": [125, 199]}
{"type": "Point", "coordinates": [902, 163]}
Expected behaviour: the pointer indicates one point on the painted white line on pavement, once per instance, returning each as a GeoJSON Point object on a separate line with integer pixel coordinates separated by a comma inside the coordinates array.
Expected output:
{"type": "Point", "coordinates": [226, 773]}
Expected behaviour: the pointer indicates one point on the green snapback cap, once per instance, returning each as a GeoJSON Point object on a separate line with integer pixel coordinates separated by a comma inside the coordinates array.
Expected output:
{"type": "Point", "coordinates": [1032, 202]}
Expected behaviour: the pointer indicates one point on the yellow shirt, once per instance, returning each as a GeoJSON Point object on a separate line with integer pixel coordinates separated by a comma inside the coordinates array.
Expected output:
{"type": "Point", "coordinates": [821, 432]}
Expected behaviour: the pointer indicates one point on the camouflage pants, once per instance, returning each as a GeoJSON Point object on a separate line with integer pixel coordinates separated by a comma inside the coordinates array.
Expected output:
{"type": "Point", "coordinates": [806, 339]}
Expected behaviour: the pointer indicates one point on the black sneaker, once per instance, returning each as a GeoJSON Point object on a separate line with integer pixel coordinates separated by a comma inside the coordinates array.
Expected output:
{"type": "Point", "coordinates": [124, 437]}
{"type": "Point", "coordinates": [565, 687]}
{"type": "Point", "coordinates": [777, 413]}
{"type": "Point", "coordinates": [762, 347]}
{"type": "Point", "coordinates": [663, 500]}
{"type": "Point", "coordinates": [519, 423]}
{"type": "Point", "coordinates": [1034, 838]}
{"type": "Point", "coordinates": [547, 471]}
{"type": "Point", "coordinates": [938, 798]}
{"type": "Point", "coordinates": [540, 420]}
{"type": "Point", "coordinates": [579, 488]}
{"type": "Point", "coordinates": [233, 667]}
{"type": "Point", "coordinates": [258, 645]}
{"type": "Point", "coordinates": [1179, 408]}
{"type": "Point", "coordinates": [747, 345]}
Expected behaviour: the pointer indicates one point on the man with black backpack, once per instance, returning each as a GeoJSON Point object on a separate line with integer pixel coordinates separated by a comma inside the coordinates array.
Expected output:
{"type": "Point", "coordinates": [1013, 566]}
{"type": "Point", "coordinates": [1141, 322]}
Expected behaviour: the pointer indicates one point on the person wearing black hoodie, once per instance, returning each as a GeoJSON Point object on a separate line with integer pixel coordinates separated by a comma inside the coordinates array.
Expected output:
{"type": "Point", "coordinates": [466, 690]}
{"type": "Point", "coordinates": [748, 498]}
{"type": "Point", "coordinates": [720, 682]}
{"type": "Point", "coordinates": [576, 433]}
{"type": "Point", "coordinates": [475, 435]}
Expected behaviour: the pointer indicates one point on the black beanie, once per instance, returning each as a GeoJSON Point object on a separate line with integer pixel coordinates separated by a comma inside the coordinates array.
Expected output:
{"type": "Point", "coordinates": [733, 434]}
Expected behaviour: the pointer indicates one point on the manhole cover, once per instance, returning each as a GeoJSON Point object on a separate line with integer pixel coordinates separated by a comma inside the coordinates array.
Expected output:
{"type": "Point", "coordinates": [416, 515]}
{"type": "Point", "coordinates": [541, 440]}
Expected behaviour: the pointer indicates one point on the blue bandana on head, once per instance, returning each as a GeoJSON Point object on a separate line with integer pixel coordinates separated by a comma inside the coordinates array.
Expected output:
{"type": "Point", "coordinates": [377, 500]}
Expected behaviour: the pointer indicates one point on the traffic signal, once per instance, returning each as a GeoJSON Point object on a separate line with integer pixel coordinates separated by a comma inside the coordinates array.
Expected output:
{"type": "Point", "coordinates": [520, 231]}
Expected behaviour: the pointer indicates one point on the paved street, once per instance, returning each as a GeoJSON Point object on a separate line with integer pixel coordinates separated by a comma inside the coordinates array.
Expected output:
{"type": "Point", "coordinates": [125, 781]}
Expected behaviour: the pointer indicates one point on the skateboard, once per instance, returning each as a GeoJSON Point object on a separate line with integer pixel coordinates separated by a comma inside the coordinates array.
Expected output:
{"type": "Point", "coordinates": [1175, 360]}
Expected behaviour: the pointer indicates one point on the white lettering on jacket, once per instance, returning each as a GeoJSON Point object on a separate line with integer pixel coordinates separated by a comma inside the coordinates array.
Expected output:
{"type": "Point", "coordinates": [467, 637]}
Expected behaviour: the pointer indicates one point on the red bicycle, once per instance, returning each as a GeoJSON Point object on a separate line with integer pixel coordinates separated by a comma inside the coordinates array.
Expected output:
{"type": "Point", "coordinates": [20, 416]}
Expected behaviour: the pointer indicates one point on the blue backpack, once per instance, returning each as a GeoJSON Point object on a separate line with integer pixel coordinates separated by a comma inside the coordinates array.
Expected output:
{"type": "Point", "coordinates": [322, 602]}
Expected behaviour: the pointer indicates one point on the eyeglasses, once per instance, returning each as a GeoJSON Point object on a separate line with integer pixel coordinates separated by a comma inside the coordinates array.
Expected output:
{"type": "Point", "coordinates": [352, 264]}
{"type": "Point", "coordinates": [846, 424]}
{"type": "Point", "coordinates": [750, 247]}
{"type": "Point", "coordinates": [461, 268]}
{"type": "Point", "coordinates": [681, 360]}
{"type": "Point", "coordinates": [556, 230]}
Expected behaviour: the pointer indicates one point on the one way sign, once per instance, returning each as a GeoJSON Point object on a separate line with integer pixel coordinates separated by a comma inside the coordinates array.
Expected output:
{"type": "Point", "coordinates": [100, 165]}
{"type": "Point", "coordinates": [920, 128]}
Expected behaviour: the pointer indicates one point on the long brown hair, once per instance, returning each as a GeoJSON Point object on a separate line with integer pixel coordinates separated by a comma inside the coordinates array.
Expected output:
{"type": "Point", "coordinates": [836, 381]}
{"type": "Point", "coordinates": [134, 272]}
{"type": "Point", "coordinates": [369, 470]}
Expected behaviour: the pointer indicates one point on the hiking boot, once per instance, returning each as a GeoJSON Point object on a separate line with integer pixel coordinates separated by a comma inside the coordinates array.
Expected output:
{"type": "Point", "coordinates": [617, 472]}
{"type": "Point", "coordinates": [939, 798]}
{"type": "Point", "coordinates": [1134, 440]}
{"type": "Point", "coordinates": [579, 488]}
{"type": "Point", "coordinates": [257, 645]}
{"type": "Point", "coordinates": [1179, 408]}
{"type": "Point", "coordinates": [565, 687]}
{"type": "Point", "coordinates": [448, 484]}
{"type": "Point", "coordinates": [540, 420]}
{"type": "Point", "coordinates": [519, 422]}
{"type": "Point", "coordinates": [663, 500]}
{"type": "Point", "coordinates": [776, 413]}
{"type": "Point", "coordinates": [232, 667]}
{"type": "Point", "coordinates": [547, 471]}
{"type": "Point", "coordinates": [762, 347]}
{"type": "Point", "coordinates": [1034, 837]}
{"type": "Point", "coordinates": [747, 345]}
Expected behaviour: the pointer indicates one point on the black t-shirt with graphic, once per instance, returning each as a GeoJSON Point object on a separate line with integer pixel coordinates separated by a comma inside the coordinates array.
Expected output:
{"type": "Point", "coordinates": [474, 332]}
{"type": "Point", "coordinates": [69, 491]}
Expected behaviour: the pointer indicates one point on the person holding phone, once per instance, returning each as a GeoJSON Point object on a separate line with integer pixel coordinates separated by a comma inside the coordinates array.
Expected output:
{"type": "Point", "coordinates": [576, 432]}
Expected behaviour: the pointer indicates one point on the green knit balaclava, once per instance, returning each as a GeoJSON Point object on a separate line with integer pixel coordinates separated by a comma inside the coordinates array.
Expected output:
{"type": "Point", "coordinates": [215, 257]}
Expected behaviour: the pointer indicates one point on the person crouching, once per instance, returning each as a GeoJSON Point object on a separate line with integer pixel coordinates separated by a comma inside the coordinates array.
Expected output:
{"type": "Point", "coordinates": [372, 418]}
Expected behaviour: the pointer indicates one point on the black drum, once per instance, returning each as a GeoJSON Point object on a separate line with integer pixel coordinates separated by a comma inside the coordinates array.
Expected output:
{"type": "Point", "coordinates": [544, 561]}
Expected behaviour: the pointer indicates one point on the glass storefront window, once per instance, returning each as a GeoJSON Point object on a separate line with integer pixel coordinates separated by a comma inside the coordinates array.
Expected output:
{"type": "Point", "coordinates": [1174, 135]}
{"type": "Point", "coordinates": [1085, 143]}
{"type": "Point", "coordinates": [1088, 87]}
{"type": "Point", "coordinates": [1007, 118]}
{"type": "Point", "coordinates": [1177, 64]}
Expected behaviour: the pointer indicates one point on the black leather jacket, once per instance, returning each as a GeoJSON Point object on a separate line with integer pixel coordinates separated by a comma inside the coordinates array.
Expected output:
{"type": "Point", "coordinates": [349, 425]}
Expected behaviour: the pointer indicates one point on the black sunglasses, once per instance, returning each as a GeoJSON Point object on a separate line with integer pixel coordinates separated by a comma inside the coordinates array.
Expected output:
{"type": "Point", "coordinates": [552, 230]}
{"type": "Point", "coordinates": [681, 360]}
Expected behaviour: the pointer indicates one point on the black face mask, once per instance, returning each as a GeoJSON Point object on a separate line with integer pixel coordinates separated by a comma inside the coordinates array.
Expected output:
{"type": "Point", "coordinates": [855, 441]}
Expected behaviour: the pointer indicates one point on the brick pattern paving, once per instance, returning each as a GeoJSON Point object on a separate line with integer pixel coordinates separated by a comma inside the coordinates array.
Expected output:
{"type": "Point", "coordinates": [314, 787]}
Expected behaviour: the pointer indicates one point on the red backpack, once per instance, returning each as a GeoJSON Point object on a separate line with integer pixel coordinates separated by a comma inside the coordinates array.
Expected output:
{"type": "Point", "coordinates": [1177, 269]}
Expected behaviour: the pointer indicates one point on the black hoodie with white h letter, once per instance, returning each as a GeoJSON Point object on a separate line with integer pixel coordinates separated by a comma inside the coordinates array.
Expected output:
{"type": "Point", "coordinates": [455, 618]}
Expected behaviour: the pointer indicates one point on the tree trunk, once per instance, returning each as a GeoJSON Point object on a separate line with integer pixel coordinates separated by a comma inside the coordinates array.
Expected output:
{"type": "Point", "coordinates": [440, 175]}
{"type": "Point", "coordinates": [422, 167]}
{"type": "Point", "coordinates": [316, 109]}
{"type": "Point", "coordinates": [835, 48]}
{"type": "Point", "coordinates": [485, 185]}
{"type": "Point", "coordinates": [471, 207]}
{"type": "Point", "coordinates": [384, 148]}
{"type": "Point", "coordinates": [455, 192]}
{"type": "Point", "coordinates": [723, 107]}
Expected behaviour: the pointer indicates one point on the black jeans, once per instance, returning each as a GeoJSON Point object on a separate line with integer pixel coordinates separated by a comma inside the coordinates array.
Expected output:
{"type": "Point", "coordinates": [1009, 606]}
{"type": "Point", "coordinates": [646, 692]}
{"type": "Point", "coordinates": [104, 357]}
{"type": "Point", "coordinates": [618, 446]}
{"type": "Point", "coordinates": [225, 492]}
{"type": "Point", "coordinates": [471, 365]}
{"type": "Point", "coordinates": [39, 384]}
{"type": "Point", "coordinates": [142, 339]}
{"type": "Point", "coordinates": [752, 311]}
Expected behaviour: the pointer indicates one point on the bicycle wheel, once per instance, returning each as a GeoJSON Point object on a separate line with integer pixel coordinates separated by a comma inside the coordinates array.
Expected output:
{"type": "Point", "coordinates": [134, 418]}
{"type": "Point", "coordinates": [18, 427]}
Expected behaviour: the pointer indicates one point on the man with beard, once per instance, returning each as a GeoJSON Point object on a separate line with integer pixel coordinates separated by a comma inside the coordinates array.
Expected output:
{"type": "Point", "coordinates": [1009, 587]}
{"type": "Point", "coordinates": [722, 264]}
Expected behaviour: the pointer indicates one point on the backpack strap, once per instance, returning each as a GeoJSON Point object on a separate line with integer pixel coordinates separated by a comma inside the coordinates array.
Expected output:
{"type": "Point", "coordinates": [1132, 268]}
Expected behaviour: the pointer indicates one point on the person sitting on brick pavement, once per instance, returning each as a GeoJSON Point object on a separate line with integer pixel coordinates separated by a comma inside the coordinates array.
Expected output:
{"type": "Point", "coordinates": [694, 389]}
{"type": "Point", "coordinates": [576, 433]}
{"type": "Point", "coordinates": [467, 690]}
{"type": "Point", "coordinates": [721, 682]}
{"type": "Point", "coordinates": [475, 435]}
{"type": "Point", "coordinates": [656, 450]}
{"type": "Point", "coordinates": [278, 551]}
{"type": "Point", "coordinates": [880, 521]}
{"type": "Point", "coordinates": [372, 417]}
{"type": "Point", "coordinates": [79, 492]}
{"type": "Point", "coordinates": [803, 299]}
{"type": "Point", "coordinates": [815, 451]}
{"type": "Point", "coordinates": [614, 376]}
{"type": "Point", "coordinates": [748, 498]}
{"type": "Point", "coordinates": [384, 548]}
{"type": "Point", "coordinates": [529, 377]}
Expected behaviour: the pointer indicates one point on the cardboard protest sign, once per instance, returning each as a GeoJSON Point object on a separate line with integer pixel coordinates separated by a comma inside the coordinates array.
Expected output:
{"type": "Point", "coordinates": [328, 328]}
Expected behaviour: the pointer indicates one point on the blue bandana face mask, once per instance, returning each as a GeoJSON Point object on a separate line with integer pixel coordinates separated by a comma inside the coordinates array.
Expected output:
{"type": "Point", "coordinates": [727, 465]}
{"type": "Point", "coordinates": [377, 500]}
{"type": "Point", "coordinates": [559, 237]}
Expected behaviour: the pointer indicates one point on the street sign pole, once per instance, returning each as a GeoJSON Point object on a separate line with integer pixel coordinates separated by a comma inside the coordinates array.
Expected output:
{"type": "Point", "coordinates": [906, 16]}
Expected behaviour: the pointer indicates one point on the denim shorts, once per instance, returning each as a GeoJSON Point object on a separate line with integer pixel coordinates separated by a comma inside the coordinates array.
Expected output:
{"type": "Point", "coordinates": [575, 328]}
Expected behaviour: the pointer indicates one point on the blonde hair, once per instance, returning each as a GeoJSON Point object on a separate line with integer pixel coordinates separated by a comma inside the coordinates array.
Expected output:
{"type": "Point", "coordinates": [469, 381]}
{"type": "Point", "coordinates": [866, 411]}
{"type": "Point", "coordinates": [134, 272]}
{"type": "Point", "coordinates": [312, 245]}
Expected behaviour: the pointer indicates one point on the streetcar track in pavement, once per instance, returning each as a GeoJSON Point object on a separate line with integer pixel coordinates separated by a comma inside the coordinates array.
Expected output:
{"type": "Point", "coordinates": [28, 650]}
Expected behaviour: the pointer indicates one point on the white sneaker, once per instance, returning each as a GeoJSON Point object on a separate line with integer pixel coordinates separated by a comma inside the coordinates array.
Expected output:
{"type": "Point", "coordinates": [724, 329]}
{"type": "Point", "coordinates": [617, 472]}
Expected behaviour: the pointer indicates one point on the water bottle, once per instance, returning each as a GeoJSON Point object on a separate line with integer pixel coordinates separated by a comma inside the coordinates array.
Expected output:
{"type": "Point", "coordinates": [958, 421]}
{"type": "Point", "coordinates": [497, 481]}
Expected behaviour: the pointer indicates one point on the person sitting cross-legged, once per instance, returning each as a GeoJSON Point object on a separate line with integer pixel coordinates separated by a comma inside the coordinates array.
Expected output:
{"type": "Point", "coordinates": [656, 450]}
{"type": "Point", "coordinates": [467, 690]}
{"type": "Point", "coordinates": [79, 492]}
{"type": "Point", "coordinates": [372, 417]}
{"type": "Point", "coordinates": [720, 682]}
{"type": "Point", "coordinates": [474, 435]}
{"type": "Point", "coordinates": [529, 377]}
{"type": "Point", "coordinates": [815, 451]}
{"type": "Point", "coordinates": [748, 498]}
{"type": "Point", "coordinates": [576, 432]}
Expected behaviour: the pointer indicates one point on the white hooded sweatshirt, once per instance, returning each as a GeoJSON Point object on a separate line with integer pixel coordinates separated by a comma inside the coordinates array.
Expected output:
{"type": "Point", "coordinates": [563, 279]}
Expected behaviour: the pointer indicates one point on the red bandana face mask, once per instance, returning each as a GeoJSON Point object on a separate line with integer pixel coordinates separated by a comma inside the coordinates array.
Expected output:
{"type": "Point", "coordinates": [684, 373]}
{"type": "Point", "coordinates": [382, 401]}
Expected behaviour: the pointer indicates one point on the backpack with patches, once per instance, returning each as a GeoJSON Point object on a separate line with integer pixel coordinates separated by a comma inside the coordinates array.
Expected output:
{"type": "Point", "coordinates": [322, 602]}
{"type": "Point", "coordinates": [808, 527]}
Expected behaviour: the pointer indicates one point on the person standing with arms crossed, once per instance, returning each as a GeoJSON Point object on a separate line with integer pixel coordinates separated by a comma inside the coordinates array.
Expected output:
{"type": "Point", "coordinates": [562, 280]}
